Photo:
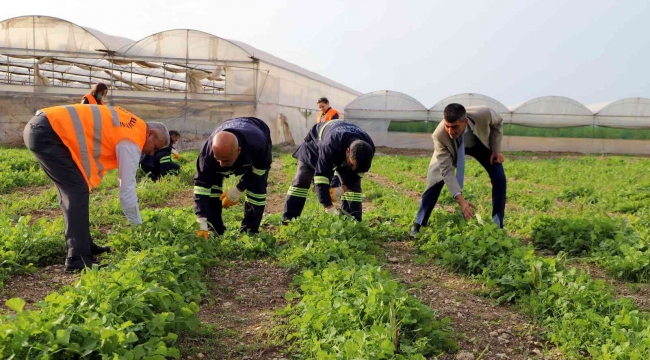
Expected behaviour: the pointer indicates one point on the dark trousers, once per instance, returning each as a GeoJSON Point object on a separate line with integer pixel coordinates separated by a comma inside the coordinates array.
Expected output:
{"type": "Point", "coordinates": [497, 177]}
{"type": "Point", "coordinates": [253, 206]}
{"type": "Point", "coordinates": [297, 194]}
{"type": "Point", "coordinates": [74, 196]}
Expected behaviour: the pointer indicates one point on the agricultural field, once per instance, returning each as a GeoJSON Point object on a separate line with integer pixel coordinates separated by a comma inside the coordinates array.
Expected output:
{"type": "Point", "coordinates": [567, 278]}
{"type": "Point", "coordinates": [589, 132]}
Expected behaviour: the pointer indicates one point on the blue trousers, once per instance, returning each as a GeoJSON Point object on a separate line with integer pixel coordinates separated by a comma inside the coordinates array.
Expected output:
{"type": "Point", "coordinates": [497, 177]}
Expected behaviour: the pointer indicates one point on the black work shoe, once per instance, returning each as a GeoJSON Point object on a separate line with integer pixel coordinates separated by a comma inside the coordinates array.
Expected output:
{"type": "Point", "coordinates": [415, 230]}
{"type": "Point", "coordinates": [78, 263]}
{"type": "Point", "coordinates": [98, 249]}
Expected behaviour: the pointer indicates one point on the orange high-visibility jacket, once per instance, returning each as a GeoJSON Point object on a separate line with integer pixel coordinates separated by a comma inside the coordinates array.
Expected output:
{"type": "Point", "coordinates": [330, 115]}
{"type": "Point", "coordinates": [92, 132]}
{"type": "Point", "coordinates": [91, 100]}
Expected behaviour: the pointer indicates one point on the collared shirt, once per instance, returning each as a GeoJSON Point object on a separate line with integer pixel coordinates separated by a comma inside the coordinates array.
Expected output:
{"type": "Point", "coordinates": [128, 160]}
{"type": "Point", "coordinates": [471, 139]}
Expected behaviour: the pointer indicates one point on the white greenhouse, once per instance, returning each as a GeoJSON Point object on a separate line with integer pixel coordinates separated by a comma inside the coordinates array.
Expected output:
{"type": "Point", "coordinates": [188, 79]}
{"type": "Point", "coordinates": [549, 123]}
{"type": "Point", "coordinates": [192, 81]}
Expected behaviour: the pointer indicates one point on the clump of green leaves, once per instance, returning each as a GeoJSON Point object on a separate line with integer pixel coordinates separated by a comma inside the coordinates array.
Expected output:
{"type": "Point", "coordinates": [358, 312]}
{"type": "Point", "coordinates": [24, 245]}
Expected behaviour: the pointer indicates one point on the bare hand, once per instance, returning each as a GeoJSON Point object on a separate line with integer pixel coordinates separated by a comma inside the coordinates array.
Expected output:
{"type": "Point", "coordinates": [496, 157]}
{"type": "Point", "coordinates": [467, 207]}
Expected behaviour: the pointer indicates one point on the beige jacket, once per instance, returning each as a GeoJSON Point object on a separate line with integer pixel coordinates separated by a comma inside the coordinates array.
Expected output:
{"type": "Point", "coordinates": [485, 123]}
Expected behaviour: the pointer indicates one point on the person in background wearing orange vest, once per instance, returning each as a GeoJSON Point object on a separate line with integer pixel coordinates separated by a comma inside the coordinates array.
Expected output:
{"type": "Point", "coordinates": [326, 113]}
{"type": "Point", "coordinates": [96, 96]}
{"type": "Point", "coordinates": [76, 145]}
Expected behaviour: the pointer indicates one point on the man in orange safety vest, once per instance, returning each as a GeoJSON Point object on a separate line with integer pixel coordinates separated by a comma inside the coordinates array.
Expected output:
{"type": "Point", "coordinates": [76, 145]}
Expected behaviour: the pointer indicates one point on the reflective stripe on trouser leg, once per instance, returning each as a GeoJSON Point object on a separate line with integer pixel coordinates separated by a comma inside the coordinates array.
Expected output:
{"type": "Point", "coordinates": [254, 205]}
{"type": "Point", "coordinates": [297, 194]}
{"type": "Point", "coordinates": [351, 204]}
{"type": "Point", "coordinates": [165, 159]}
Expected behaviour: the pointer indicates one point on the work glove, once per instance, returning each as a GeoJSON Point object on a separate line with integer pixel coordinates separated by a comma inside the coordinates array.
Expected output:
{"type": "Point", "coordinates": [203, 228]}
{"type": "Point", "coordinates": [177, 156]}
{"type": "Point", "coordinates": [230, 198]}
{"type": "Point", "coordinates": [335, 193]}
{"type": "Point", "coordinates": [332, 211]}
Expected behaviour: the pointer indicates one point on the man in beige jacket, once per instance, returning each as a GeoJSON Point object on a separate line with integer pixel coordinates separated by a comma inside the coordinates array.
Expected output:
{"type": "Point", "coordinates": [475, 131]}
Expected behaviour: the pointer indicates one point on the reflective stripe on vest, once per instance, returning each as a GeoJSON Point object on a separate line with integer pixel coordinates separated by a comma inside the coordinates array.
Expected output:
{"type": "Point", "coordinates": [91, 100]}
{"type": "Point", "coordinates": [322, 129]}
{"type": "Point", "coordinates": [80, 126]}
{"type": "Point", "coordinates": [328, 116]}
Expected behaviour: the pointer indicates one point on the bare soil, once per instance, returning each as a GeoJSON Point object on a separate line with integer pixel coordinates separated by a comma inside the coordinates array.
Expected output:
{"type": "Point", "coordinates": [479, 325]}
{"type": "Point", "coordinates": [34, 287]}
{"type": "Point", "coordinates": [277, 188]}
{"type": "Point", "coordinates": [181, 199]}
{"type": "Point", "coordinates": [238, 314]}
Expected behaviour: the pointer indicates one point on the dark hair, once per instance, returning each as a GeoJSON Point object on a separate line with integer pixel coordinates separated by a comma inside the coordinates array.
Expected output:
{"type": "Point", "coordinates": [174, 133]}
{"type": "Point", "coordinates": [361, 152]}
{"type": "Point", "coordinates": [323, 100]}
{"type": "Point", "coordinates": [454, 112]}
{"type": "Point", "coordinates": [98, 88]}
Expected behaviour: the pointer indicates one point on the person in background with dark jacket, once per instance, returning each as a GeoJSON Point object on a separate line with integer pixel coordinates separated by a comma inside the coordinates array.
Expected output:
{"type": "Point", "coordinates": [97, 95]}
{"type": "Point", "coordinates": [160, 163]}
{"type": "Point", "coordinates": [174, 136]}
{"type": "Point", "coordinates": [330, 146]}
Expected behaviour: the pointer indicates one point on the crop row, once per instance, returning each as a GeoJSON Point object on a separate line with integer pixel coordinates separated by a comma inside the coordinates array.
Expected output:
{"type": "Point", "coordinates": [580, 315]}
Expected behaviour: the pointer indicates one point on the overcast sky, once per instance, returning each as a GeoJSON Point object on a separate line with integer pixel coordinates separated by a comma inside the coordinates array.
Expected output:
{"type": "Point", "coordinates": [592, 51]}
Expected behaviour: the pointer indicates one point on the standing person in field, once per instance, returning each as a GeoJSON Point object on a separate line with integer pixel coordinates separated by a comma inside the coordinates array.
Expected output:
{"type": "Point", "coordinates": [76, 145]}
{"type": "Point", "coordinates": [161, 164]}
{"type": "Point", "coordinates": [334, 145]}
{"type": "Point", "coordinates": [97, 95]}
{"type": "Point", "coordinates": [326, 113]}
{"type": "Point", "coordinates": [240, 146]}
{"type": "Point", "coordinates": [475, 131]}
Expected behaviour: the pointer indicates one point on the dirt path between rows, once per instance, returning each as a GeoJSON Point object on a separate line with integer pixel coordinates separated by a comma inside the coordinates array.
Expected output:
{"type": "Point", "coordinates": [478, 324]}
{"type": "Point", "coordinates": [237, 316]}
{"type": "Point", "coordinates": [277, 188]}
{"type": "Point", "coordinates": [480, 327]}
{"type": "Point", "coordinates": [36, 286]}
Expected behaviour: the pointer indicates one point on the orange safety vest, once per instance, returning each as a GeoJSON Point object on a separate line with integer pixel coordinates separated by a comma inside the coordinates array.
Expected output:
{"type": "Point", "coordinates": [91, 100]}
{"type": "Point", "coordinates": [328, 116]}
{"type": "Point", "coordinates": [92, 132]}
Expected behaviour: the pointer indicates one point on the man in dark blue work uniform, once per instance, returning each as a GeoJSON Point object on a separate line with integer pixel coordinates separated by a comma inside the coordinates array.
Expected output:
{"type": "Point", "coordinates": [160, 163]}
{"type": "Point", "coordinates": [333, 145]}
{"type": "Point", "coordinates": [240, 146]}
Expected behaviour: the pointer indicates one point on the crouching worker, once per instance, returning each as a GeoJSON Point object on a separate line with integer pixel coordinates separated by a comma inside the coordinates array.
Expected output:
{"type": "Point", "coordinates": [240, 146]}
{"type": "Point", "coordinates": [161, 163]}
{"type": "Point", "coordinates": [475, 131]}
{"type": "Point", "coordinates": [329, 146]}
{"type": "Point", "coordinates": [76, 145]}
